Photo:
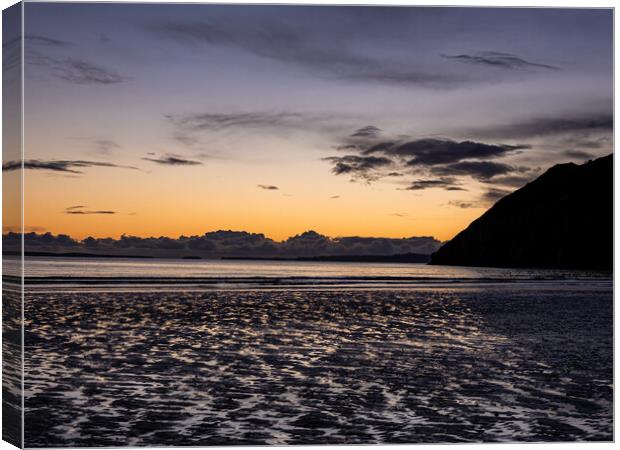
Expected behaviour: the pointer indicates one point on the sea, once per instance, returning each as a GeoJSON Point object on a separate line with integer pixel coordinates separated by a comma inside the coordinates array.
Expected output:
{"type": "Point", "coordinates": [229, 352]}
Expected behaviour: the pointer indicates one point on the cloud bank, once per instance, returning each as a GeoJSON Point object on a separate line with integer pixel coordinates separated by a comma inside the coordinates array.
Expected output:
{"type": "Point", "coordinates": [369, 155]}
{"type": "Point", "coordinates": [223, 243]}
{"type": "Point", "coordinates": [428, 163]}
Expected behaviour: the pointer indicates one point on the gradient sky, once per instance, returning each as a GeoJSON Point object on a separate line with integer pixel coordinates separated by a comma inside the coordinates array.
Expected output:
{"type": "Point", "coordinates": [178, 119]}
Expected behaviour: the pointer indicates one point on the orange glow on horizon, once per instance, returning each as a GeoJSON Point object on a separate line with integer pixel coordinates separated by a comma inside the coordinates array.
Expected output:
{"type": "Point", "coordinates": [203, 202]}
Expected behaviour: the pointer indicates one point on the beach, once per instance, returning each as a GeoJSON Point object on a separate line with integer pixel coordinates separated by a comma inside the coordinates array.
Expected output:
{"type": "Point", "coordinates": [314, 365]}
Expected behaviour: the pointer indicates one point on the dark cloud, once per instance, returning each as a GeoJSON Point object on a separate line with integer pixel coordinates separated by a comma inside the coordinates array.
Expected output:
{"type": "Point", "coordinates": [89, 212]}
{"type": "Point", "coordinates": [334, 197]}
{"type": "Point", "coordinates": [192, 129]}
{"type": "Point", "coordinates": [500, 186]}
{"type": "Point", "coordinates": [493, 195]}
{"type": "Point", "coordinates": [308, 242]}
{"type": "Point", "coordinates": [11, 57]}
{"type": "Point", "coordinates": [26, 229]}
{"type": "Point", "coordinates": [364, 167]}
{"type": "Point", "coordinates": [369, 131]}
{"type": "Point", "coordinates": [273, 41]}
{"type": "Point", "coordinates": [514, 181]}
{"type": "Point", "coordinates": [71, 69]}
{"type": "Point", "coordinates": [33, 39]}
{"type": "Point", "coordinates": [15, 42]}
{"type": "Point", "coordinates": [78, 71]}
{"type": "Point", "coordinates": [218, 121]}
{"type": "Point", "coordinates": [444, 151]}
{"type": "Point", "coordinates": [443, 158]}
{"type": "Point", "coordinates": [331, 58]}
{"type": "Point", "coordinates": [540, 127]}
{"type": "Point", "coordinates": [404, 77]}
{"type": "Point", "coordinates": [447, 183]}
{"type": "Point", "coordinates": [498, 60]}
{"type": "Point", "coordinates": [349, 147]}
{"type": "Point", "coordinates": [463, 205]}
{"type": "Point", "coordinates": [267, 187]}
{"type": "Point", "coordinates": [43, 242]}
{"type": "Point", "coordinates": [482, 170]}
{"type": "Point", "coordinates": [596, 143]}
{"type": "Point", "coordinates": [455, 188]}
{"type": "Point", "coordinates": [44, 40]}
{"type": "Point", "coordinates": [59, 165]}
{"type": "Point", "coordinates": [225, 243]}
{"type": "Point", "coordinates": [79, 209]}
{"type": "Point", "coordinates": [441, 151]}
{"type": "Point", "coordinates": [380, 147]}
{"type": "Point", "coordinates": [578, 154]}
{"type": "Point", "coordinates": [173, 160]}
{"type": "Point", "coordinates": [488, 198]}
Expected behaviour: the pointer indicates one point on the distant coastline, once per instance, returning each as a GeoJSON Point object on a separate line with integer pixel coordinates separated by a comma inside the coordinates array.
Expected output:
{"type": "Point", "coordinates": [72, 255]}
{"type": "Point", "coordinates": [403, 257]}
{"type": "Point", "coordinates": [397, 258]}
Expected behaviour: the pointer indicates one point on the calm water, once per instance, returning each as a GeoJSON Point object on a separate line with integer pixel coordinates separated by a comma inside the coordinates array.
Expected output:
{"type": "Point", "coordinates": [219, 273]}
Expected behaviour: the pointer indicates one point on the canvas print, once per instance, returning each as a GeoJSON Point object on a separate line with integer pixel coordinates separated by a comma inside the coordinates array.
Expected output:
{"type": "Point", "coordinates": [272, 225]}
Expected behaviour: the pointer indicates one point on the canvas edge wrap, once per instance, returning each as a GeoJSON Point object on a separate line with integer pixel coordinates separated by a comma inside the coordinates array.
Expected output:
{"type": "Point", "coordinates": [12, 221]}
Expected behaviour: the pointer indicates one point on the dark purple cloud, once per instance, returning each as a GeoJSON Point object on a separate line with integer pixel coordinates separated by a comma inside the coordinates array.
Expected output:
{"type": "Point", "coordinates": [499, 60]}
{"type": "Point", "coordinates": [70, 166]}
{"type": "Point", "coordinates": [221, 243]}
{"type": "Point", "coordinates": [173, 160]}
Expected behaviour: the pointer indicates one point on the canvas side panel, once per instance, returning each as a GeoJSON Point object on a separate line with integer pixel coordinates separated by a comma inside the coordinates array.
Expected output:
{"type": "Point", "coordinates": [12, 259]}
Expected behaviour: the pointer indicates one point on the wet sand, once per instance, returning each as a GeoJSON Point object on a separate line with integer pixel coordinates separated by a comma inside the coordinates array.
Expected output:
{"type": "Point", "coordinates": [11, 364]}
{"type": "Point", "coordinates": [318, 366]}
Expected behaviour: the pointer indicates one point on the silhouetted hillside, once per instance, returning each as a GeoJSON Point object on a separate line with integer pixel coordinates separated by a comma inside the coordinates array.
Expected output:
{"type": "Point", "coordinates": [563, 219]}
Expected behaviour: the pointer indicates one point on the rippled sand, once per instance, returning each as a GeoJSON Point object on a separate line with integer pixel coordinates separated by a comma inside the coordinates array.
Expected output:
{"type": "Point", "coordinates": [286, 367]}
{"type": "Point", "coordinates": [11, 364]}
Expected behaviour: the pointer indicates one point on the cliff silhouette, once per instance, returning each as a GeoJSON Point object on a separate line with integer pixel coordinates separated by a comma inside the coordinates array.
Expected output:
{"type": "Point", "coordinates": [563, 219]}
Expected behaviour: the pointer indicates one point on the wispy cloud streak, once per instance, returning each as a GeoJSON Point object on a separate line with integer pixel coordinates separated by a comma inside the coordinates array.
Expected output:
{"type": "Point", "coordinates": [330, 58]}
{"type": "Point", "coordinates": [70, 166]}
{"type": "Point", "coordinates": [173, 160]}
{"type": "Point", "coordinates": [499, 60]}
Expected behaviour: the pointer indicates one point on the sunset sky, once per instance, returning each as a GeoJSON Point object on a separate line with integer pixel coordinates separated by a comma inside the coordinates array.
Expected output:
{"type": "Point", "coordinates": [180, 119]}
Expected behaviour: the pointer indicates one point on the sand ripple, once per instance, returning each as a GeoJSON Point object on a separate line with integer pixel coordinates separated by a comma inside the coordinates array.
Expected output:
{"type": "Point", "coordinates": [287, 367]}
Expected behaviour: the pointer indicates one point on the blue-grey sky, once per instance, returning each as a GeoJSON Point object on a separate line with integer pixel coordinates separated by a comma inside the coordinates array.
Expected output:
{"type": "Point", "coordinates": [396, 121]}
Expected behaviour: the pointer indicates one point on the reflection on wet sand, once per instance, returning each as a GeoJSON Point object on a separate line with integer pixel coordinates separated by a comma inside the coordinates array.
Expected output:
{"type": "Point", "coordinates": [12, 364]}
{"type": "Point", "coordinates": [293, 367]}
